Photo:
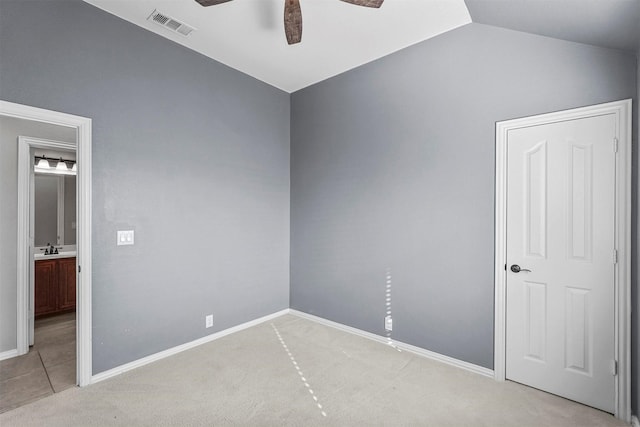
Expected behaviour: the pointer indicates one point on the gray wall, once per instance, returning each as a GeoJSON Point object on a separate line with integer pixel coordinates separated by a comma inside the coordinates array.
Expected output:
{"type": "Point", "coordinates": [393, 168]}
{"type": "Point", "coordinates": [192, 155]}
{"type": "Point", "coordinates": [10, 129]}
{"type": "Point", "coordinates": [45, 215]}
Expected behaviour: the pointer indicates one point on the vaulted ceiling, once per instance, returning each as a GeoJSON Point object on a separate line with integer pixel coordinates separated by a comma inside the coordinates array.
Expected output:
{"type": "Point", "coordinates": [248, 35]}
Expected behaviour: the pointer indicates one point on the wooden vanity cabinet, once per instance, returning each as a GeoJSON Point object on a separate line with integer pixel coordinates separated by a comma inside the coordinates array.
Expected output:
{"type": "Point", "coordinates": [55, 286]}
{"type": "Point", "coordinates": [67, 283]}
{"type": "Point", "coordinates": [46, 284]}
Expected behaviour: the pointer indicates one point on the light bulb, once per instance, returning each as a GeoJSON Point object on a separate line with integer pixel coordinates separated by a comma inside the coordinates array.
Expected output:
{"type": "Point", "coordinates": [43, 164]}
{"type": "Point", "coordinates": [62, 166]}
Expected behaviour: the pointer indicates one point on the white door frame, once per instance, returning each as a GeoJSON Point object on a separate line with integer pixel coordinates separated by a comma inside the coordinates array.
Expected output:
{"type": "Point", "coordinates": [83, 244]}
{"type": "Point", "coordinates": [622, 275]}
{"type": "Point", "coordinates": [26, 190]}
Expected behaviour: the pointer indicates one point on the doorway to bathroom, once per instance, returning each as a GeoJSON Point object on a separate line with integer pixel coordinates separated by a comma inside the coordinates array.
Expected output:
{"type": "Point", "coordinates": [58, 310]}
{"type": "Point", "coordinates": [49, 167]}
{"type": "Point", "coordinates": [52, 264]}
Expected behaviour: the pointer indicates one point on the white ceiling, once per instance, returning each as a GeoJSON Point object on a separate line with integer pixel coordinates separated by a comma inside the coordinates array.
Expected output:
{"type": "Point", "coordinates": [248, 35]}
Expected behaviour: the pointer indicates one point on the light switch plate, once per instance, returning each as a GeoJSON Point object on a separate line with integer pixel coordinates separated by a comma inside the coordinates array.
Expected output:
{"type": "Point", "coordinates": [125, 237]}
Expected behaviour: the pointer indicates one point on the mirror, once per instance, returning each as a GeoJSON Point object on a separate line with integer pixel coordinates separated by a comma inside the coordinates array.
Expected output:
{"type": "Point", "coordinates": [54, 209]}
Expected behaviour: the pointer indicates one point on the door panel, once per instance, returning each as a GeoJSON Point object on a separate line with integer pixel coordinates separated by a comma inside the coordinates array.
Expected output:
{"type": "Point", "coordinates": [560, 225]}
{"type": "Point", "coordinates": [536, 312]}
{"type": "Point", "coordinates": [536, 200]}
{"type": "Point", "coordinates": [577, 330]}
{"type": "Point", "coordinates": [67, 281]}
{"type": "Point", "coordinates": [580, 202]}
{"type": "Point", "coordinates": [46, 287]}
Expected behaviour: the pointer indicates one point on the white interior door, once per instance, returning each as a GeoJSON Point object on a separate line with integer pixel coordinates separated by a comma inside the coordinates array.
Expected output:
{"type": "Point", "coordinates": [560, 333]}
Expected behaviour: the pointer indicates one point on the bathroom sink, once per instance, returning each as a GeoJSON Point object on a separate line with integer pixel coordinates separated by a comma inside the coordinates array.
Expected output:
{"type": "Point", "coordinates": [61, 254]}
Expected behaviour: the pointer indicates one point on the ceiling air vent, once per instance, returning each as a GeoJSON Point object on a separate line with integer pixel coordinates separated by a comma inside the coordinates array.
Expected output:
{"type": "Point", "coordinates": [170, 23]}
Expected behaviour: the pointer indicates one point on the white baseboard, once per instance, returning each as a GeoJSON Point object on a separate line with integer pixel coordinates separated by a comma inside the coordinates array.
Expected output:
{"type": "Point", "coordinates": [9, 354]}
{"type": "Point", "coordinates": [180, 348]}
{"type": "Point", "coordinates": [402, 346]}
{"type": "Point", "coordinates": [634, 421]}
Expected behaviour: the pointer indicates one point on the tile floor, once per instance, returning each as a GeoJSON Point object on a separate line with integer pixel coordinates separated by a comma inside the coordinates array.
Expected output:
{"type": "Point", "coordinates": [49, 367]}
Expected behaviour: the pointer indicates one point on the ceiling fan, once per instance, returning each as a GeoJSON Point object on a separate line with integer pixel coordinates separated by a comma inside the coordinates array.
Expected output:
{"type": "Point", "coordinates": [293, 15]}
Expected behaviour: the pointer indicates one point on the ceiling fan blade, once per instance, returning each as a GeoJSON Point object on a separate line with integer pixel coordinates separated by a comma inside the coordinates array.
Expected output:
{"type": "Point", "coordinates": [292, 21]}
{"type": "Point", "coordinates": [211, 2]}
{"type": "Point", "coordinates": [366, 3]}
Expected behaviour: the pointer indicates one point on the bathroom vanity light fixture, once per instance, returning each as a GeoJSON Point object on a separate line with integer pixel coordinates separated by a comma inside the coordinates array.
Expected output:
{"type": "Point", "coordinates": [43, 164]}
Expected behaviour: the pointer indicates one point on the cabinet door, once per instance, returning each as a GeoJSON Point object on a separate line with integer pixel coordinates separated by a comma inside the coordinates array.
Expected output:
{"type": "Point", "coordinates": [46, 287]}
{"type": "Point", "coordinates": [67, 283]}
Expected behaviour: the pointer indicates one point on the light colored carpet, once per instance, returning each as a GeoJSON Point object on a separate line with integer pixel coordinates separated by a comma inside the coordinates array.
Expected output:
{"type": "Point", "coordinates": [291, 370]}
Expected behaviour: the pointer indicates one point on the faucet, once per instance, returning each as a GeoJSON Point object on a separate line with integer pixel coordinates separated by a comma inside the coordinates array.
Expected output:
{"type": "Point", "coordinates": [51, 250]}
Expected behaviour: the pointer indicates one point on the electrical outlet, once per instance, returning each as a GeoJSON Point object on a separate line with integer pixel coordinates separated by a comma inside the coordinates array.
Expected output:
{"type": "Point", "coordinates": [388, 323]}
{"type": "Point", "coordinates": [125, 237]}
{"type": "Point", "coordinates": [209, 321]}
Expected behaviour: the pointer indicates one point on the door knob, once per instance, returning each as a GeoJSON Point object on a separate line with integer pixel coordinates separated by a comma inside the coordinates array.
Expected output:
{"type": "Point", "coordinates": [516, 269]}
